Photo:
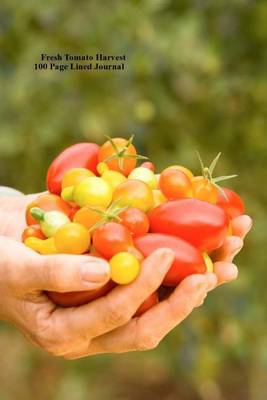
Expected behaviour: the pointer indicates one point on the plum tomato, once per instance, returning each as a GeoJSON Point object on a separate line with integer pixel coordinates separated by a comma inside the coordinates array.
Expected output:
{"type": "Point", "coordinates": [188, 260]}
{"type": "Point", "coordinates": [134, 193]}
{"type": "Point", "coordinates": [75, 299]}
{"type": "Point", "coordinates": [135, 220]}
{"type": "Point", "coordinates": [72, 238]}
{"type": "Point", "coordinates": [145, 175]}
{"type": "Point", "coordinates": [88, 217]}
{"type": "Point", "coordinates": [79, 155]}
{"type": "Point", "coordinates": [47, 202]}
{"type": "Point", "coordinates": [124, 268]}
{"type": "Point", "coordinates": [32, 231]}
{"type": "Point", "coordinates": [92, 191]}
{"type": "Point", "coordinates": [74, 176]}
{"type": "Point", "coordinates": [203, 189]}
{"type": "Point", "coordinates": [119, 154]}
{"type": "Point", "coordinates": [202, 224]}
{"type": "Point", "coordinates": [150, 302]}
{"type": "Point", "coordinates": [232, 203]}
{"type": "Point", "coordinates": [175, 184]}
{"type": "Point", "coordinates": [112, 238]}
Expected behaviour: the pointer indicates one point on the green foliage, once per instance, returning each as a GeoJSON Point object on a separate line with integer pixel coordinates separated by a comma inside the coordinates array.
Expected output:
{"type": "Point", "coordinates": [195, 78]}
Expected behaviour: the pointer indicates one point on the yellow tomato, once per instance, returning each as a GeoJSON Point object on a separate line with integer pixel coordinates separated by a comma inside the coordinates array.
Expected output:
{"type": "Point", "coordinates": [185, 170]}
{"type": "Point", "coordinates": [144, 175]}
{"type": "Point", "coordinates": [124, 268]}
{"type": "Point", "coordinates": [158, 197]}
{"type": "Point", "coordinates": [74, 176]}
{"type": "Point", "coordinates": [72, 238]}
{"type": "Point", "coordinates": [113, 178]}
{"type": "Point", "coordinates": [92, 191]}
{"type": "Point", "coordinates": [88, 217]}
{"type": "Point", "coordinates": [134, 193]}
{"type": "Point", "coordinates": [46, 246]}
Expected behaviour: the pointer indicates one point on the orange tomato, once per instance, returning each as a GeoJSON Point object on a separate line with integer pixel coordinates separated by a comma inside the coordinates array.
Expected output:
{"type": "Point", "coordinates": [32, 231]}
{"type": "Point", "coordinates": [47, 202]}
{"type": "Point", "coordinates": [185, 170]}
{"type": "Point", "coordinates": [107, 150]}
{"type": "Point", "coordinates": [135, 194]}
{"type": "Point", "coordinates": [87, 216]}
{"type": "Point", "coordinates": [204, 190]}
{"type": "Point", "coordinates": [135, 220]}
{"type": "Point", "coordinates": [72, 238]}
{"type": "Point", "coordinates": [175, 184]}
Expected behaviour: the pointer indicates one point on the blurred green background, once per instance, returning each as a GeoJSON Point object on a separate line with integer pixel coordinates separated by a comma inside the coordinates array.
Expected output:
{"type": "Point", "coordinates": [195, 78]}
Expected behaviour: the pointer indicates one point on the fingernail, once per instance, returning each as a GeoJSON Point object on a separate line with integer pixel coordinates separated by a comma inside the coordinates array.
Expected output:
{"type": "Point", "coordinates": [212, 280]}
{"type": "Point", "coordinates": [166, 258]}
{"type": "Point", "coordinates": [95, 271]}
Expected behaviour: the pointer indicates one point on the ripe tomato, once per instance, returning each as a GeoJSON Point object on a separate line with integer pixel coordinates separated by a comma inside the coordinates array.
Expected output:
{"type": "Point", "coordinates": [92, 191]}
{"type": "Point", "coordinates": [233, 205]}
{"type": "Point", "coordinates": [185, 170]}
{"type": "Point", "coordinates": [158, 197]}
{"type": "Point", "coordinates": [112, 238]}
{"type": "Point", "coordinates": [203, 189]}
{"type": "Point", "coordinates": [73, 211]}
{"type": "Point", "coordinates": [47, 202]}
{"type": "Point", "coordinates": [150, 302]}
{"type": "Point", "coordinates": [75, 299]}
{"type": "Point", "coordinates": [124, 268]}
{"type": "Point", "coordinates": [135, 220]}
{"type": "Point", "coordinates": [145, 175]}
{"type": "Point", "coordinates": [118, 163]}
{"type": "Point", "coordinates": [72, 238]}
{"type": "Point", "coordinates": [148, 165]}
{"type": "Point", "coordinates": [175, 184]}
{"type": "Point", "coordinates": [188, 260]}
{"type": "Point", "coordinates": [135, 194]}
{"type": "Point", "coordinates": [87, 216]}
{"type": "Point", "coordinates": [32, 231]}
{"type": "Point", "coordinates": [202, 224]}
{"type": "Point", "coordinates": [75, 176]}
{"type": "Point", "coordinates": [82, 155]}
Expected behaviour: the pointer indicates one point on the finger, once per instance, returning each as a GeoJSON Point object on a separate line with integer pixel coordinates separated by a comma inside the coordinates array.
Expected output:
{"type": "Point", "coordinates": [225, 271]}
{"type": "Point", "coordinates": [147, 331]}
{"type": "Point", "coordinates": [241, 225]}
{"type": "Point", "coordinates": [118, 307]}
{"type": "Point", "coordinates": [66, 273]}
{"type": "Point", "coordinates": [231, 247]}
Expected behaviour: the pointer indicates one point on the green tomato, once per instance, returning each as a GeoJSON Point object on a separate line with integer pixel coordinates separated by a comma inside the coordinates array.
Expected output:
{"type": "Point", "coordinates": [53, 220]}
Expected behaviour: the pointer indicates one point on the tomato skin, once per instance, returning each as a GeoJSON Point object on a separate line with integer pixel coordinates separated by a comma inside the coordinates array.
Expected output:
{"type": "Point", "coordinates": [106, 150]}
{"type": "Point", "coordinates": [175, 184]}
{"type": "Point", "coordinates": [74, 299]}
{"type": "Point", "coordinates": [150, 302]}
{"type": "Point", "coordinates": [148, 165]}
{"type": "Point", "coordinates": [32, 231]}
{"type": "Point", "coordinates": [204, 190]}
{"type": "Point", "coordinates": [201, 224]}
{"type": "Point", "coordinates": [112, 238]}
{"type": "Point", "coordinates": [135, 194]}
{"type": "Point", "coordinates": [47, 202]}
{"type": "Point", "coordinates": [233, 205]}
{"type": "Point", "coordinates": [188, 260]}
{"type": "Point", "coordinates": [82, 155]}
{"type": "Point", "coordinates": [135, 220]}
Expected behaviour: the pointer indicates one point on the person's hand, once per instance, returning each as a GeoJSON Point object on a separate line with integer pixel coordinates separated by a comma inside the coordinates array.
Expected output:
{"type": "Point", "coordinates": [104, 325]}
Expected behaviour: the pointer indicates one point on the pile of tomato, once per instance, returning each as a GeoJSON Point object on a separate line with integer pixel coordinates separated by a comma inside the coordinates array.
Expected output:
{"type": "Point", "coordinates": [100, 203]}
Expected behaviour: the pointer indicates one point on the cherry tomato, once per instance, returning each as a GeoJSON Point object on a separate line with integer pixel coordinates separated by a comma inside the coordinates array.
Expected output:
{"type": "Point", "coordinates": [135, 194]}
{"type": "Point", "coordinates": [150, 302]}
{"type": "Point", "coordinates": [135, 220]}
{"type": "Point", "coordinates": [75, 299]}
{"type": "Point", "coordinates": [87, 216]}
{"type": "Point", "coordinates": [145, 175]}
{"type": "Point", "coordinates": [203, 189]}
{"type": "Point", "coordinates": [92, 191]}
{"type": "Point", "coordinates": [124, 268]}
{"type": "Point", "coordinates": [233, 205]}
{"type": "Point", "coordinates": [47, 202]}
{"type": "Point", "coordinates": [188, 260]}
{"type": "Point", "coordinates": [74, 176]}
{"type": "Point", "coordinates": [112, 238]}
{"type": "Point", "coordinates": [82, 155]}
{"type": "Point", "coordinates": [72, 238]}
{"type": "Point", "coordinates": [73, 211]}
{"type": "Point", "coordinates": [175, 184]}
{"type": "Point", "coordinates": [148, 165]}
{"type": "Point", "coordinates": [158, 197]}
{"type": "Point", "coordinates": [124, 165]}
{"type": "Point", "coordinates": [202, 224]}
{"type": "Point", "coordinates": [185, 170]}
{"type": "Point", "coordinates": [32, 231]}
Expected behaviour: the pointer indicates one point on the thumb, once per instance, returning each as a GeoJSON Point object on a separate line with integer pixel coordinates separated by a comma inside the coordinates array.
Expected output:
{"type": "Point", "coordinates": [66, 273]}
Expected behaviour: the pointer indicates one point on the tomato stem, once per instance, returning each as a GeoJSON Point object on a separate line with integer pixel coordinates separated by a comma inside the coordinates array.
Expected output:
{"type": "Point", "coordinates": [37, 213]}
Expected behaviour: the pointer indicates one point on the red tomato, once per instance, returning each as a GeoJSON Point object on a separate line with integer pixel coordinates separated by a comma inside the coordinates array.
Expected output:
{"type": "Point", "coordinates": [203, 189]}
{"type": "Point", "coordinates": [107, 150]}
{"type": "Point", "coordinates": [151, 301]}
{"type": "Point", "coordinates": [47, 202]}
{"type": "Point", "coordinates": [82, 155]}
{"type": "Point", "coordinates": [233, 205]}
{"type": "Point", "coordinates": [33, 231]}
{"type": "Point", "coordinates": [202, 224]}
{"type": "Point", "coordinates": [112, 238]}
{"type": "Point", "coordinates": [74, 299]}
{"type": "Point", "coordinates": [175, 184]}
{"type": "Point", "coordinates": [188, 260]}
{"type": "Point", "coordinates": [135, 220]}
{"type": "Point", "coordinates": [148, 165]}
